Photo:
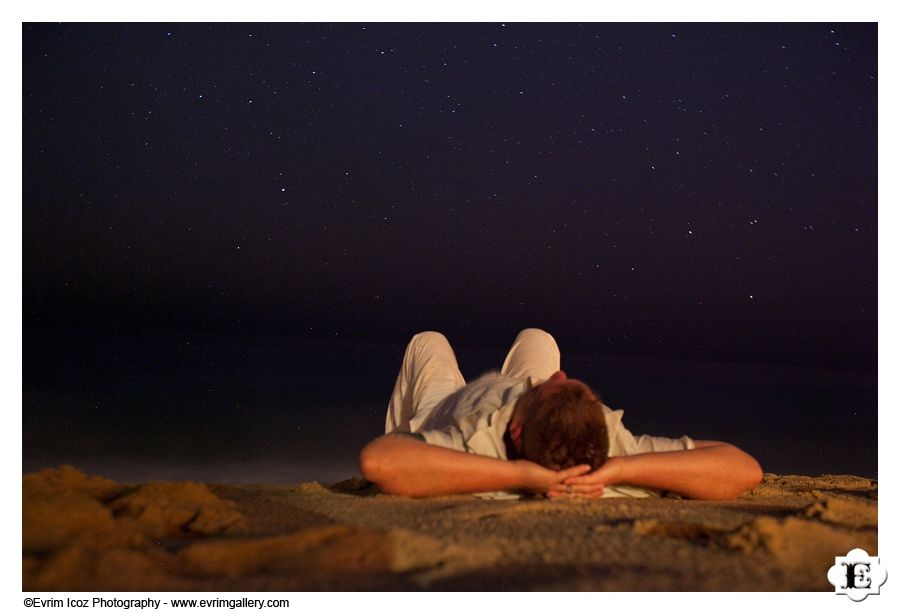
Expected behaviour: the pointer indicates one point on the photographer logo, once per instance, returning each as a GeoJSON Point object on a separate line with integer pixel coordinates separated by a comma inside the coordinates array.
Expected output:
{"type": "Point", "coordinates": [857, 575]}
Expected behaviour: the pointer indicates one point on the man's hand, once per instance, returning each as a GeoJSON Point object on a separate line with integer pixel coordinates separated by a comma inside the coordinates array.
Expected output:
{"type": "Point", "coordinates": [713, 470]}
{"type": "Point", "coordinates": [592, 484]}
{"type": "Point", "coordinates": [538, 479]}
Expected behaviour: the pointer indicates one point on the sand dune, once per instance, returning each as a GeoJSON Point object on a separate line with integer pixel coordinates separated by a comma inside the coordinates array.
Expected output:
{"type": "Point", "coordinates": [87, 533]}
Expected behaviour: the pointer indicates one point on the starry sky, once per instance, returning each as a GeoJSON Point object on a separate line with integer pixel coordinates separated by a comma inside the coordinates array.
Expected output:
{"type": "Point", "coordinates": [696, 191]}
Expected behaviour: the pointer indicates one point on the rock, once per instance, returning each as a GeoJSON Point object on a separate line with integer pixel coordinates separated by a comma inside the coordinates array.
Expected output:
{"type": "Point", "coordinates": [68, 479]}
{"type": "Point", "coordinates": [63, 507]}
{"type": "Point", "coordinates": [851, 512]}
{"type": "Point", "coordinates": [78, 568]}
{"type": "Point", "coordinates": [799, 543]}
{"type": "Point", "coordinates": [330, 549]}
{"type": "Point", "coordinates": [178, 509]}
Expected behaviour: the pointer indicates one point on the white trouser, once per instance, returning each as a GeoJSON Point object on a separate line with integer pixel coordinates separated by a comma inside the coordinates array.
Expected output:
{"type": "Point", "coordinates": [430, 374]}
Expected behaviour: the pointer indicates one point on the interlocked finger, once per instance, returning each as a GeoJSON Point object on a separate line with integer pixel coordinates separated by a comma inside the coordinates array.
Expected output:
{"type": "Point", "coordinates": [571, 490]}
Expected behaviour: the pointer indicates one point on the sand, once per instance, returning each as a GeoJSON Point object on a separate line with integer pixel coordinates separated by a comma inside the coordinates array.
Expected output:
{"type": "Point", "coordinates": [88, 533]}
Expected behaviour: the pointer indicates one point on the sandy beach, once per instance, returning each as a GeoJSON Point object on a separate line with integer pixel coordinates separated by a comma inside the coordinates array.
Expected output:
{"type": "Point", "coordinates": [88, 533]}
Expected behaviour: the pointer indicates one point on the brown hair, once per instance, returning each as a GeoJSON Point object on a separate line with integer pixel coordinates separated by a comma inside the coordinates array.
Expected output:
{"type": "Point", "coordinates": [567, 428]}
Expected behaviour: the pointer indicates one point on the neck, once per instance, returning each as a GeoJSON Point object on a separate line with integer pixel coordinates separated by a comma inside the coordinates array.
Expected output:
{"type": "Point", "coordinates": [511, 453]}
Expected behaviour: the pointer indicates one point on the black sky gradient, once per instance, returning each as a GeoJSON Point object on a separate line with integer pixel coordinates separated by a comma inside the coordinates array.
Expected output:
{"type": "Point", "coordinates": [700, 191]}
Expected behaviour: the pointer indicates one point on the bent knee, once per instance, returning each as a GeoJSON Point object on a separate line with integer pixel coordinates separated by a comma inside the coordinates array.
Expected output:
{"type": "Point", "coordinates": [535, 334]}
{"type": "Point", "coordinates": [428, 338]}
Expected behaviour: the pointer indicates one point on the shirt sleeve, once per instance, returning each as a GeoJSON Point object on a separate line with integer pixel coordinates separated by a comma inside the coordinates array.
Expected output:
{"type": "Point", "coordinates": [648, 443]}
{"type": "Point", "coordinates": [627, 444]}
{"type": "Point", "coordinates": [447, 437]}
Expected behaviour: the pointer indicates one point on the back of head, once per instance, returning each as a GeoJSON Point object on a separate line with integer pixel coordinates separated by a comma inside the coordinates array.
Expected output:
{"type": "Point", "coordinates": [565, 429]}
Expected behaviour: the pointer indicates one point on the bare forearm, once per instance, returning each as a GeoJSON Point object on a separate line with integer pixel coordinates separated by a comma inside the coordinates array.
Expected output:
{"type": "Point", "coordinates": [716, 471]}
{"type": "Point", "coordinates": [404, 466]}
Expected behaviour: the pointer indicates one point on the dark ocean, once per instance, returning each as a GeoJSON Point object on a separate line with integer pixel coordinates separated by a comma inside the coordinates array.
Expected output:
{"type": "Point", "coordinates": [166, 406]}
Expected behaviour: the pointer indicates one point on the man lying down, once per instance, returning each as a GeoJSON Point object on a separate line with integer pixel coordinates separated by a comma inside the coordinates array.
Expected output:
{"type": "Point", "coordinates": [530, 429]}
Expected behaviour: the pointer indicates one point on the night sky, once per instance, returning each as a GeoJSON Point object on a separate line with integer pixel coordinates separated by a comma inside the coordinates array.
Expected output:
{"type": "Point", "coordinates": [696, 191]}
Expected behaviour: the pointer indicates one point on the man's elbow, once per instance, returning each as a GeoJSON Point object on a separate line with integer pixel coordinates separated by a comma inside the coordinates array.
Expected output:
{"type": "Point", "coordinates": [752, 474]}
{"type": "Point", "coordinates": [740, 473]}
{"type": "Point", "coordinates": [371, 462]}
{"type": "Point", "coordinates": [377, 466]}
{"type": "Point", "coordinates": [745, 477]}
